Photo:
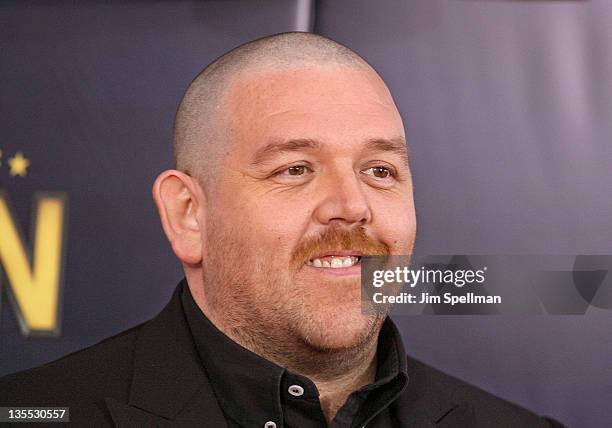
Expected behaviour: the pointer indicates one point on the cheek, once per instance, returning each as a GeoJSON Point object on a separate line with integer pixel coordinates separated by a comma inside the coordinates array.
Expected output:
{"type": "Point", "coordinates": [396, 226]}
{"type": "Point", "coordinates": [275, 228]}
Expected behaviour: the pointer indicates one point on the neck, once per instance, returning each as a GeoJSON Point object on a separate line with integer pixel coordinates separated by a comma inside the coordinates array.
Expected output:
{"type": "Point", "coordinates": [336, 374]}
{"type": "Point", "coordinates": [334, 392]}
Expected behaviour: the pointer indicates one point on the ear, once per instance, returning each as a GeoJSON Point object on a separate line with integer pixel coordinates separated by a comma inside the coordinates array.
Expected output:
{"type": "Point", "coordinates": [180, 201]}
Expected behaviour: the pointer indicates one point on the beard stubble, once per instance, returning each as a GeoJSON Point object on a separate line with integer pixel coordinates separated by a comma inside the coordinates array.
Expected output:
{"type": "Point", "coordinates": [256, 303]}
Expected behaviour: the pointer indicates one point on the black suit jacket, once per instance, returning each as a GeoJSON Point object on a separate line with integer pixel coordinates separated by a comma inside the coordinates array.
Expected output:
{"type": "Point", "coordinates": [151, 376]}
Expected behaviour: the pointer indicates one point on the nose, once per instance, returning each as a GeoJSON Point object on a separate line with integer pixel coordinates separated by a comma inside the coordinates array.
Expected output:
{"type": "Point", "coordinates": [342, 200]}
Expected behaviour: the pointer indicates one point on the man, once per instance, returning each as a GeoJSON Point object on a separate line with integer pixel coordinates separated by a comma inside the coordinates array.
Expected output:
{"type": "Point", "coordinates": [291, 166]}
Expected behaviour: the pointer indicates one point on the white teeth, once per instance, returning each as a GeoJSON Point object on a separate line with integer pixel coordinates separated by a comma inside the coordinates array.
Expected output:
{"type": "Point", "coordinates": [334, 263]}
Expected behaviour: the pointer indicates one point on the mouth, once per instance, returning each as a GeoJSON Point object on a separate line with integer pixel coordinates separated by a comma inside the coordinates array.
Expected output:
{"type": "Point", "coordinates": [340, 261]}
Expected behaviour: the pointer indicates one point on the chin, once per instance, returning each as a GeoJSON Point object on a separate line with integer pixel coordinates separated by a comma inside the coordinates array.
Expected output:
{"type": "Point", "coordinates": [336, 330]}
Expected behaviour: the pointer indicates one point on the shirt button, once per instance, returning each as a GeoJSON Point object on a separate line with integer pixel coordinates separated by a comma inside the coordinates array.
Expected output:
{"type": "Point", "coordinates": [296, 390]}
{"type": "Point", "coordinates": [270, 424]}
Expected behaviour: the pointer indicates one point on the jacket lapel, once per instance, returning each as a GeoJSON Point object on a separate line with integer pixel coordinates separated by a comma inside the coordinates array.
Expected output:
{"type": "Point", "coordinates": [429, 402]}
{"type": "Point", "coordinates": [169, 386]}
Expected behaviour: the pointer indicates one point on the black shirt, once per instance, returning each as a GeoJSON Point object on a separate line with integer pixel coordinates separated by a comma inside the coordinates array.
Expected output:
{"type": "Point", "coordinates": [254, 392]}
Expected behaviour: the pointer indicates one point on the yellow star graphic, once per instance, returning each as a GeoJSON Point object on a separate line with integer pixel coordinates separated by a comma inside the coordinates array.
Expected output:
{"type": "Point", "coordinates": [18, 165]}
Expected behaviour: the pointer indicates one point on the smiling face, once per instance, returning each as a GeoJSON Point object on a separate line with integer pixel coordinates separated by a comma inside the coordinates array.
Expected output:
{"type": "Point", "coordinates": [315, 175]}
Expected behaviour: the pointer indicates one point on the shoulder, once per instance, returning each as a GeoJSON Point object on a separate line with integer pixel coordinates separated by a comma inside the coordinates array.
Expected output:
{"type": "Point", "coordinates": [487, 409]}
{"type": "Point", "coordinates": [101, 370]}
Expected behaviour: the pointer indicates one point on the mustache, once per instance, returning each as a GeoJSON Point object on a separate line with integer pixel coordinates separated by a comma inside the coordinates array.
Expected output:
{"type": "Point", "coordinates": [338, 239]}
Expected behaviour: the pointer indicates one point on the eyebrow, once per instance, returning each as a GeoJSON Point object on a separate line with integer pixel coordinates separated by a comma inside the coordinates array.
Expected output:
{"type": "Point", "coordinates": [270, 150]}
{"type": "Point", "coordinates": [395, 145]}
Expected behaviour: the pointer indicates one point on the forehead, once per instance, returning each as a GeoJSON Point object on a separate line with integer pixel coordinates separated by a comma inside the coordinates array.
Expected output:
{"type": "Point", "coordinates": [335, 105]}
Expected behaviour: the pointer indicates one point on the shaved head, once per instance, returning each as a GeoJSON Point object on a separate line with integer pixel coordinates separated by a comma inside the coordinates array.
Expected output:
{"type": "Point", "coordinates": [202, 128]}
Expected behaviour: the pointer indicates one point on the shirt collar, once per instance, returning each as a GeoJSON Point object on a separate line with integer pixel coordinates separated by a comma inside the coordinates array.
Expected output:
{"type": "Point", "coordinates": [248, 386]}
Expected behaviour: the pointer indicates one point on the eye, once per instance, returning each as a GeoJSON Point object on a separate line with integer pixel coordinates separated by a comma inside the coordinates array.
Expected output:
{"type": "Point", "coordinates": [379, 172]}
{"type": "Point", "coordinates": [294, 171]}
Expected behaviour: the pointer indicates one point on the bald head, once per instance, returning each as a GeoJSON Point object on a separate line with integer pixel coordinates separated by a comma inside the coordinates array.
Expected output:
{"type": "Point", "coordinates": [202, 126]}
